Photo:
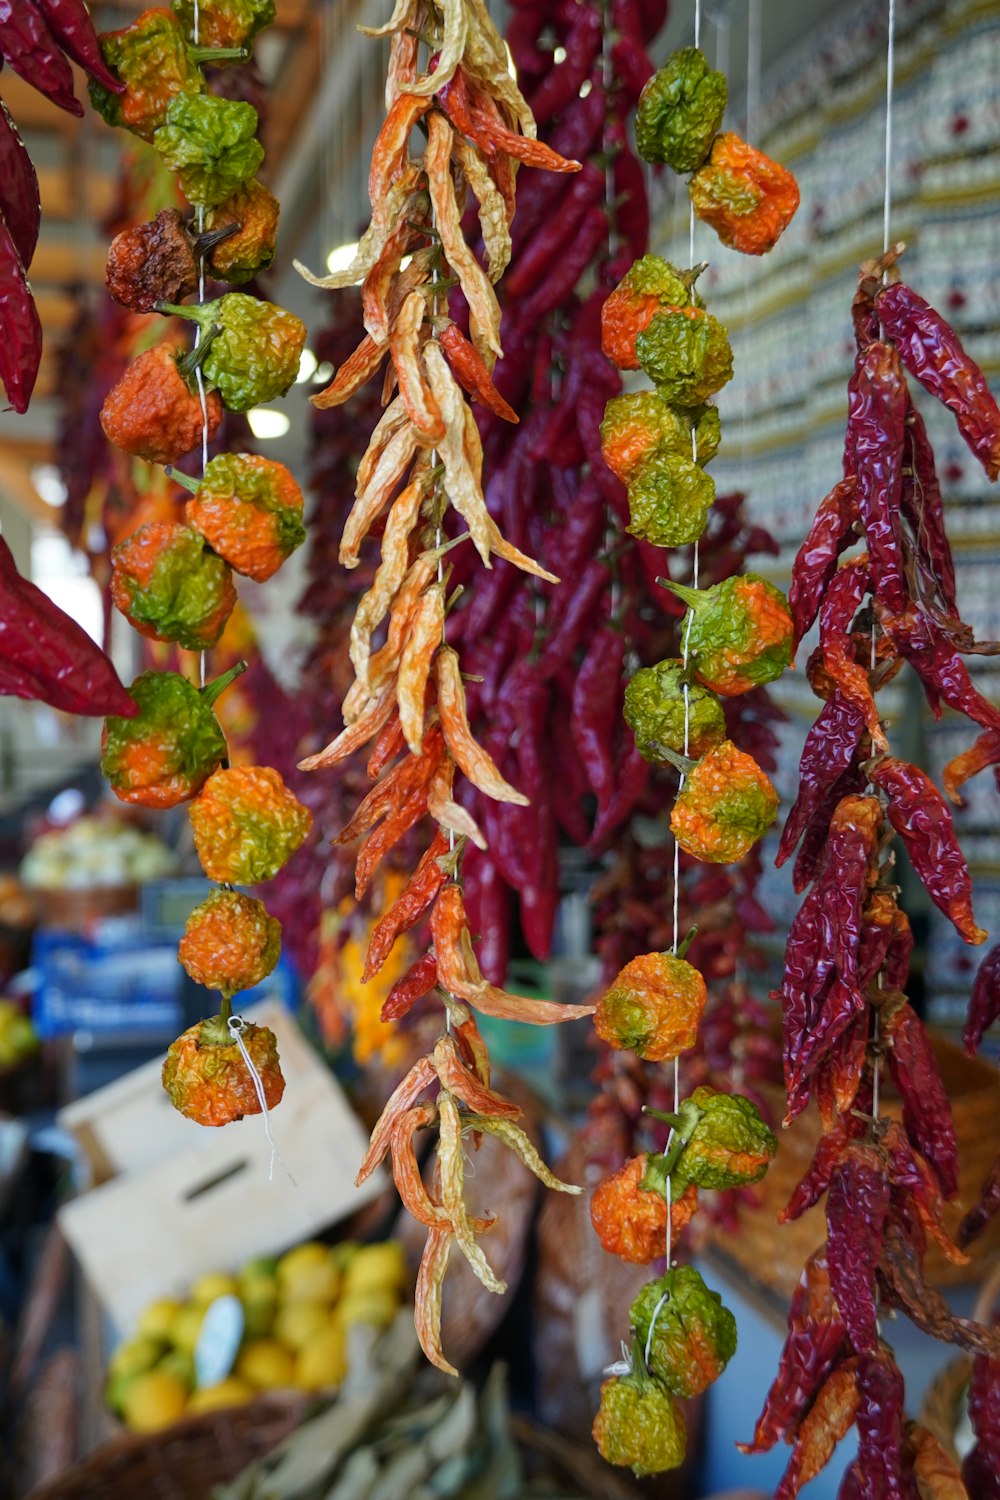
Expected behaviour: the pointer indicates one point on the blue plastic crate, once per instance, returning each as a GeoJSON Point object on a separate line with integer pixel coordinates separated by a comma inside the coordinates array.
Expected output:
{"type": "Point", "coordinates": [114, 981]}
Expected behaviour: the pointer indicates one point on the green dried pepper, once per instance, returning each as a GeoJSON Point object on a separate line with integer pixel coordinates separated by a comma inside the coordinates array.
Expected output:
{"type": "Point", "coordinates": [680, 109]}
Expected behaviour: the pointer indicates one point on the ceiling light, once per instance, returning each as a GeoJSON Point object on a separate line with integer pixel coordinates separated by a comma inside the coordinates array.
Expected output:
{"type": "Point", "coordinates": [324, 372]}
{"type": "Point", "coordinates": [559, 55]}
{"type": "Point", "coordinates": [307, 367]}
{"type": "Point", "coordinates": [49, 484]}
{"type": "Point", "coordinates": [265, 422]}
{"type": "Point", "coordinates": [340, 258]}
{"type": "Point", "coordinates": [585, 88]}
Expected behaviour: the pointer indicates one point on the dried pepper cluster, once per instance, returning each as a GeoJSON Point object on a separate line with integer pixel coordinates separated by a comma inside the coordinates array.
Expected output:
{"type": "Point", "coordinates": [736, 635]}
{"type": "Point", "coordinates": [38, 41]}
{"type": "Point", "coordinates": [174, 581]}
{"type": "Point", "coordinates": [748, 199]}
{"type": "Point", "coordinates": [843, 997]}
{"type": "Point", "coordinates": [425, 456]}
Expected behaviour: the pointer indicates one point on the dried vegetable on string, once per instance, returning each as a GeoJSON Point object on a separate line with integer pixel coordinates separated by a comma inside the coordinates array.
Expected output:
{"type": "Point", "coordinates": [173, 581]}
{"type": "Point", "coordinates": [38, 41]}
{"type": "Point", "coordinates": [890, 599]}
{"type": "Point", "coordinates": [735, 636]}
{"type": "Point", "coordinates": [424, 463]}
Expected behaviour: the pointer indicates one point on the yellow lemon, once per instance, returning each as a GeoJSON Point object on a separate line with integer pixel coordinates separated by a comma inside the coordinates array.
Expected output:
{"type": "Point", "coordinates": [229, 1392]}
{"type": "Point", "coordinates": [258, 1265]}
{"type": "Point", "coordinates": [135, 1356]}
{"type": "Point", "coordinates": [375, 1266]}
{"type": "Point", "coordinates": [258, 1314]}
{"type": "Point", "coordinates": [157, 1320]}
{"type": "Point", "coordinates": [308, 1272]}
{"type": "Point", "coordinates": [322, 1361]}
{"type": "Point", "coordinates": [178, 1362]}
{"type": "Point", "coordinates": [187, 1326]}
{"type": "Point", "coordinates": [296, 1322]}
{"type": "Point", "coordinates": [153, 1400]}
{"type": "Point", "coordinates": [265, 1363]}
{"type": "Point", "coordinates": [343, 1252]}
{"type": "Point", "coordinates": [213, 1284]}
{"type": "Point", "coordinates": [378, 1306]}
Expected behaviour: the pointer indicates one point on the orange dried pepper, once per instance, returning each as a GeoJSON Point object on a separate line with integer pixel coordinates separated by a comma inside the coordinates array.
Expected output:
{"type": "Point", "coordinates": [725, 806]}
{"type": "Point", "coordinates": [207, 1079]}
{"type": "Point", "coordinates": [171, 587]}
{"type": "Point", "coordinates": [153, 414]}
{"type": "Point", "coordinates": [631, 1221]}
{"type": "Point", "coordinates": [230, 942]}
{"type": "Point", "coordinates": [653, 1007]}
{"type": "Point", "coordinates": [748, 199]}
{"type": "Point", "coordinates": [247, 824]}
{"type": "Point", "coordinates": [249, 510]}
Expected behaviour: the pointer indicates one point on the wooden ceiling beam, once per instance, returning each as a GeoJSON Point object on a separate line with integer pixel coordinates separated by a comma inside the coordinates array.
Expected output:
{"type": "Point", "coordinates": [60, 192]}
{"type": "Point", "coordinates": [61, 262]}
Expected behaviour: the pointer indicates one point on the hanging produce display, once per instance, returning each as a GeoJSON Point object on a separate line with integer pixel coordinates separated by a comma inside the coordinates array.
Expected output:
{"type": "Point", "coordinates": [173, 580]}
{"type": "Point", "coordinates": [845, 1012]}
{"type": "Point", "coordinates": [38, 41]}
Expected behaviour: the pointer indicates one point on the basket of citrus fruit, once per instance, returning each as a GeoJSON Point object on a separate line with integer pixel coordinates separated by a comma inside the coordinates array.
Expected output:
{"type": "Point", "coordinates": [275, 1325]}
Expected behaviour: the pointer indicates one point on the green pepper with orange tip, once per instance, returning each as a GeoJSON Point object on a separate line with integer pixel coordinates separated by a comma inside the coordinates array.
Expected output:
{"type": "Point", "coordinates": [686, 354]}
{"type": "Point", "coordinates": [246, 824]}
{"type": "Point", "coordinates": [679, 111]}
{"type": "Point", "coordinates": [252, 215]}
{"type": "Point", "coordinates": [171, 587]}
{"type": "Point", "coordinates": [748, 199]}
{"type": "Point", "coordinates": [650, 285]}
{"type": "Point", "coordinates": [153, 60]}
{"type": "Point", "coordinates": [630, 1218]}
{"type": "Point", "coordinates": [250, 349]}
{"type": "Point", "coordinates": [249, 510]}
{"type": "Point", "coordinates": [665, 713]}
{"type": "Point", "coordinates": [725, 805]}
{"type": "Point", "coordinates": [206, 1076]}
{"type": "Point", "coordinates": [166, 753]}
{"type": "Point", "coordinates": [639, 1425]}
{"type": "Point", "coordinates": [720, 1141]}
{"type": "Point", "coordinates": [739, 633]}
{"type": "Point", "coordinates": [653, 1007]}
{"type": "Point", "coordinates": [230, 942]}
{"type": "Point", "coordinates": [640, 421]}
{"type": "Point", "coordinates": [211, 144]}
{"type": "Point", "coordinates": [669, 498]}
{"type": "Point", "coordinates": [688, 1333]}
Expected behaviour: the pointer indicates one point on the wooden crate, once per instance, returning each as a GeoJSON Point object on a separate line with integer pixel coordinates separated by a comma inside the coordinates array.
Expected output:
{"type": "Point", "coordinates": [176, 1199]}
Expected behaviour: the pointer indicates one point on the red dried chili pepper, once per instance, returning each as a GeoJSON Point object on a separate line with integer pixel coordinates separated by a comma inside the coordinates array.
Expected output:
{"type": "Point", "coordinates": [595, 709]}
{"type": "Point", "coordinates": [827, 1157]}
{"type": "Point", "coordinates": [939, 665]}
{"type": "Point", "coordinates": [909, 1173]}
{"type": "Point", "coordinates": [829, 749]}
{"type": "Point", "coordinates": [28, 45]}
{"type": "Point", "coordinates": [71, 25]}
{"type": "Point", "coordinates": [985, 1208]}
{"type": "Point", "coordinates": [534, 263]}
{"type": "Point", "coordinates": [920, 816]}
{"type": "Point", "coordinates": [923, 507]}
{"type": "Point", "coordinates": [813, 844]}
{"type": "Point", "coordinates": [984, 1006]}
{"type": "Point", "coordinates": [470, 371]}
{"type": "Point", "coordinates": [926, 1108]}
{"type": "Point", "coordinates": [19, 201]}
{"type": "Point", "coordinates": [874, 449]}
{"type": "Point", "coordinates": [933, 352]}
{"type": "Point", "coordinates": [406, 911]}
{"type": "Point", "coordinates": [903, 1284]}
{"type": "Point", "coordinates": [832, 530]}
{"type": "Point", "coordinates": [816, 1340]}
{"type": "Point", "coordinates": [847, 589]}
{"type": "Point", "coordinates": [879, 1421]}
{"type": "Point", "coordinates": [984, 753]}
{"type": "Point", "coordinates": [21, 342]}
{"type": "Point", "coordinates": [418, 981]}
{"type": "Point", "coordinates": [981, 1467]}
{"type": "Point", "coordinates": [562, 82]}
{"type": "Point", "coordinates": [46, 655]}
{"type": "Point", "coordinates": [857, 1206]}
{"type": "Point", "coordinates": [490, 134]}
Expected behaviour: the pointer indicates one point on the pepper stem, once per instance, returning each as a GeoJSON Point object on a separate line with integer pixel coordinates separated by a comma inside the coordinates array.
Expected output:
{"type": "Point", "coordinates": [682, 763]}
{"type": "Point", "coordinates": [189, 362]}
{"type": "Point", "coordinates": [205, 243]}
{"type": "Point", "coordinates": [186, 481]}
{"type": "Point", "coordinates": [195, 312]}
{"type": "Point", "coordinates": [212, 55]}
{"type": "Point", "coordinates": [211, 691]}
{"type": "Point", "coordinates": [691, 597]}
{"type": "Point", "coordinates": [686, 942]}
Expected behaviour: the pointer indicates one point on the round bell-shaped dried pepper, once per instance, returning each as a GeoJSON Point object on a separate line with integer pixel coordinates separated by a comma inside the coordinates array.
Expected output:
{"type": "Point", "coordinates": [225, 23]}
{"type": "Point", "coordinates": [649, 285]}
{"type": "Point", "coordinates": [679, 111]}
{"type": "Point", "coordinates": [151, 263]}
{"type": "Point", "coordinates": [247, 824]}
{"type": "Point", "coordinates": [740, 633]}
{"type": "Point", "coordinates": [663, 716]}
{"type": "Point", "coordinates": [639, 421]}
{"type": "Point", "coordinates": [686, 354]}
{"type": "Point", "coordinates": [230, 942]}
{"type": "Point", "coordinates": [748, 199]}
{"type": "Point", "coordinates": [206, 1076]}
{"type": "Point", "coordinates": [253, 347]}
{"type": "Point", "coordinates": [639, 1425]}
{"type": "Point", "coordinates": [631, 1220]}
{"type": "Point", "coordinates": [693, 1334]}
{"type": "Point", "coordinates": [726, 804]}
{"type": "Point", "coordinates": [252, 211]}
{"type": "Point", "coordinates": [669, 498]}
{"type": "Point", "coordinates": [152, 412]}
{"type": "Point", "coordinates": [171, 587]}
{"type": "Point", "coordinates": [167, 752]}
{"type": "Point", "coordinates": [249, 509]}
{"type": "Point", "coordinates": [211, 144]}
{"type": "Point", "coordinates": [724, 1142]}
{"type": "Point", "coordinates": [153, 60]}
{"type": "Point", "coordinates": [653, 1007]}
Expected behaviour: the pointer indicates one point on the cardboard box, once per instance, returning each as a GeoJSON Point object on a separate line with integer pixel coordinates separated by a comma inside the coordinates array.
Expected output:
{"type": "Point", "coordinates": [177, 1199]}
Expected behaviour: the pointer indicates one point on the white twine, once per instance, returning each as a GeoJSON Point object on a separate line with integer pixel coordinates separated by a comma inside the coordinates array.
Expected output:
{"type": "Point", "coordinates": [652, 1324]}
{"type": "Point", "coordinates": [237, 1026]}
{"type": "Point", "coordinates": [621, 1366]}
{"type": "Point", "coordinates": [890, 74]}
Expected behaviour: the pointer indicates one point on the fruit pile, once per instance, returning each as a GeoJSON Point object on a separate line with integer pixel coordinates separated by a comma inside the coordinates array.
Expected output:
{"type": "Point", "coordinates": [18, 1038]}
{"type": "Point", "coordinates": [297, 1311]}
{"type": "Point", "coordinates": [174, 581]}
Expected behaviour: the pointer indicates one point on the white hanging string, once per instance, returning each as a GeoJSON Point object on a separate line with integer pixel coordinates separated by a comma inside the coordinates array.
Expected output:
{"type": "Point", "coordinates": [890, 75]}
{"type": "Point", "coordinates": [199, 377]}
{"type": "Point", "coordinates": [237, 1026]}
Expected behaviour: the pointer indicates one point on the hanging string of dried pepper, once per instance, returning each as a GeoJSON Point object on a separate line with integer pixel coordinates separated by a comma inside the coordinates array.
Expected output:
{"type": "Point", "coordinates": [174, 582]}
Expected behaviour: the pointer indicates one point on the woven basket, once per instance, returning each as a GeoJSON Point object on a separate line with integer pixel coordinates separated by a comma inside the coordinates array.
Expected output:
{"type": "Point", "coordinates": [945, 1400]}
{"type": "Point", "coordinates": [185, 1461]}
{"type": "Point", "coordinates": [773, 1254]}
